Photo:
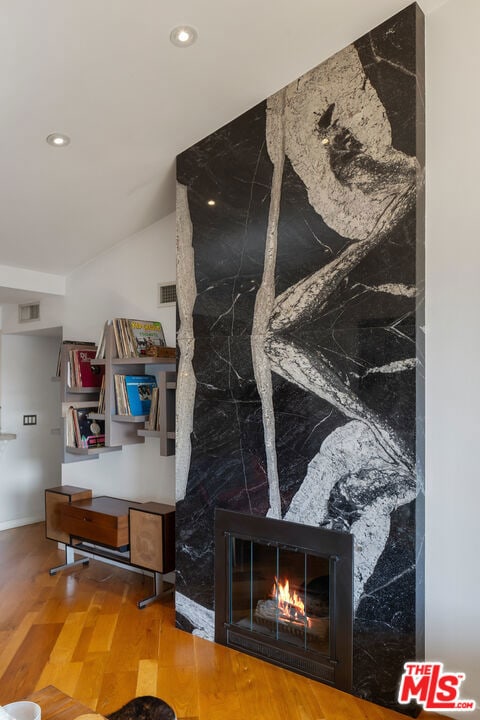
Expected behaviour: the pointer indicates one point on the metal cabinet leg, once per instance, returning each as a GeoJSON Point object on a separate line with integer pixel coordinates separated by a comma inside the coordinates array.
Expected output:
{"type": "Point", "coordinates": [69, 561]}
{"type": "Point", "coordinates": [158, 591]}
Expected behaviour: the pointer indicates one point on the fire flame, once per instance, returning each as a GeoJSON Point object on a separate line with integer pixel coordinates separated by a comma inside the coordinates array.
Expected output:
{"type": "Point", "coordinates": [290, 605]}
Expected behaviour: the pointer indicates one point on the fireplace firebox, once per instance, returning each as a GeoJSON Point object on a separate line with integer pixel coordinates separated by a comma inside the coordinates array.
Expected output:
{"type": "Point", "coordinates": [283, 592]}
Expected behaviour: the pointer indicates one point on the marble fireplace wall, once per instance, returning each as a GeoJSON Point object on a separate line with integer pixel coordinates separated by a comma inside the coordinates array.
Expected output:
{"type": "Point", "coordinates": [300, 333]}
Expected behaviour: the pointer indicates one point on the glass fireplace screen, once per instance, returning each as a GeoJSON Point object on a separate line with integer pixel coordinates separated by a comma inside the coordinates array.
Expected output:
{"type": "Point", "coordinates": [280, 592]}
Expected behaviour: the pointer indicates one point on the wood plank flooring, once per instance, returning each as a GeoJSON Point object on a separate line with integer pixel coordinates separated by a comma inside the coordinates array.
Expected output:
{"type": "Point", "coordinates": [82, 632]}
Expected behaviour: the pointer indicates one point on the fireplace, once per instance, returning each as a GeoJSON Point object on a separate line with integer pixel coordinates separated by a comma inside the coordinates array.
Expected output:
{"type": "Point", "coordinates": [283, 592]}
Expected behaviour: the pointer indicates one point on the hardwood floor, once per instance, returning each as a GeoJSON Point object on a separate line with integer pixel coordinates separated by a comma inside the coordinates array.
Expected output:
{"type": "Point", "coordinates": [82, 632]}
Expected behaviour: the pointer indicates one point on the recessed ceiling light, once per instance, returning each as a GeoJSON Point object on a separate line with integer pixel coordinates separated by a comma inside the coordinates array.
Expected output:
{"type": "Point", "coordinates": [58, 139]}
{"type": "Point", "coordinates": [183, 36]}
{"type": "Point", "coordinates": [211, 202]}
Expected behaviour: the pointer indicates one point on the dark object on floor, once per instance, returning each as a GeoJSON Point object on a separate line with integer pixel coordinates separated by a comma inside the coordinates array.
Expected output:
{"type": "Point", "coordinates": [144, 708]}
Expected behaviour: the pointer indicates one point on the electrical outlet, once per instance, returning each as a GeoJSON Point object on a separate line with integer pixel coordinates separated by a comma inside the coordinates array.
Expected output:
{"type": "Point", "coordinates": [29, 419]}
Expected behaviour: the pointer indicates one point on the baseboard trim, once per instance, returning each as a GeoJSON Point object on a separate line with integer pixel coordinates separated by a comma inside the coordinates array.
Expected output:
{"type": "Point", "coordinates": [19, 522]}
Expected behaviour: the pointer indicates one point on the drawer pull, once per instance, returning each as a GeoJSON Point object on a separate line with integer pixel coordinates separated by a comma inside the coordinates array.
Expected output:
{"type": "Point", "coordinates": [87, 519]}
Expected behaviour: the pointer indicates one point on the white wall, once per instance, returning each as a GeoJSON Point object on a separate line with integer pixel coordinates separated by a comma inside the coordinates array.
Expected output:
{"type": "Point", "coordinates": [30, 463]}
{"type": "Point", "coordinates": [31, 280]}
{"type": "Point", "coordinates": [122, 282]}
{"type": "Point", "coordinates": [453, 342]}
{"type": "Point", "coordinates": [51, 315]}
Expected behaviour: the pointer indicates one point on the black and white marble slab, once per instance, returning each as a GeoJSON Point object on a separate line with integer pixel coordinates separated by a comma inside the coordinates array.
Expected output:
{"type": "Point", "coordinates": [300, 388]}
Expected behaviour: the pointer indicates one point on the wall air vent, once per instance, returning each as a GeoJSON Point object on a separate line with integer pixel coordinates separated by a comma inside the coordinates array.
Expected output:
{"type": "Point", "coordinates": [167, 294]}
{"type": "Point", "coordinates": [29, 312]}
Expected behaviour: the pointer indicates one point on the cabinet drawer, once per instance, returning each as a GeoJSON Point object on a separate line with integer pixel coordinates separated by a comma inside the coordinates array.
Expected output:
{"type": "Point", "coordinates": [103, 520]}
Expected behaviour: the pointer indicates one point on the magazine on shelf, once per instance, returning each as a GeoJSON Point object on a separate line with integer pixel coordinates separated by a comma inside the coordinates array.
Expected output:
{"type": "Point", "coordinates": [101, 397]}
{"type": "Point", "coordinates": [152, 422]}
{"type": "Point", "coordinates": [102, 340]}
{"type": "Point", "coordinates": [138, 390]}
{"type": "Point", "coordinates": [70, 342]}
{"type": "Point", "coordinates": [146, 337]}
{"type": "Point", "coordinates": [121, 395]}
{"type": "Point", "coordinates": [134, 338]}
{"type": "Point", "coordinates": [70, 428]}
{"type": "Point", "coordinates": [83, 431]}
{"type": "Point", "coordinates": [89, 431]}
{"type": "Point", "coordinates": [122, 351]}
{"type": "Point", "coordinates": [87, 375]}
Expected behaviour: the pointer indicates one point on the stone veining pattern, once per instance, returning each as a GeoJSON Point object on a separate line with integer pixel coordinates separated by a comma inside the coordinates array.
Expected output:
{"type": "Point", "coordinates": [301, 302]}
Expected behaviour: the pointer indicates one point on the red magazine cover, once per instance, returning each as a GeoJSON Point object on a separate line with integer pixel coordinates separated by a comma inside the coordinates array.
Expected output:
{"type": "Point", "coordinates": [88, 375]}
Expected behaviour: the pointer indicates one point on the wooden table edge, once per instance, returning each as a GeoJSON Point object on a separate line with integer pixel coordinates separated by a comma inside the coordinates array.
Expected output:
{"type": "Point", "coordinates": [57, 705]}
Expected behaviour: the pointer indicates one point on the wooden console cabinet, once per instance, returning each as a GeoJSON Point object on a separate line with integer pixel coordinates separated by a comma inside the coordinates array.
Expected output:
{"type": "Point", "coordinates": [140, 535]}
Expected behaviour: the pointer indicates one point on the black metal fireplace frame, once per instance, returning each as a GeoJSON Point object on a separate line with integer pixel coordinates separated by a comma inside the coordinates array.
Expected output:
{"type": "Point", "coordinates": [336, 669]}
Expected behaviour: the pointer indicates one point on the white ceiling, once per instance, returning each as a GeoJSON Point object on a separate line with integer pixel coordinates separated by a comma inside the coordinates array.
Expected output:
{"type": "Point", "coordinates": [105, 73]}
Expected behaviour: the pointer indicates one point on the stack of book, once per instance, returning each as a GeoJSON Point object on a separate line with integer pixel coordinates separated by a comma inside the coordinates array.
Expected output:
{"type": "Point", "coordinates": [153, 422]}
{"type": "Point", "coordinates": [83, 431]}
{"type": "Point", "coordinates": [83, 343]}
{"type": "Point", "coordinates": [136, 338]}
{"type": "Point", "coordinates": [101, 398]}
{"type": "Point", "coordinates": [80, 373]}
{"type": "Point", "coordinates": [133, 394]}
